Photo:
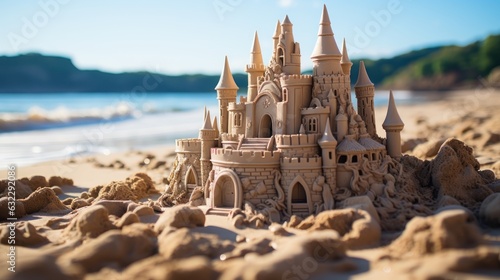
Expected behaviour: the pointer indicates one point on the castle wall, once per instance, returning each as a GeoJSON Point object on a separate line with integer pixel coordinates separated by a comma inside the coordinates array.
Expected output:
{"type": "Point", "coordinates": [296, 95]}
{"type": "Point", "coordinates": [251, 178]}
{"type": "Point", "coordinates": [188, 156]}
{"type": "Point", "coordinates": [304, 171]}
{"type": "Point", "coordinates": [297, 145]}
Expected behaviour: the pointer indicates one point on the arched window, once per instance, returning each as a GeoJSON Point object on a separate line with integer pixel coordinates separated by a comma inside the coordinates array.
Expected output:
{"type": "Point", "coordinates": [343, 159]}
{"type": "Point", "coordinates": [237, 119]}
{"type": "Point", "coordinates": [313, 125]}
{"type": "Point", "coordinates": [354, 158]}
{"type": "Point", "coordinates": [330, 155]}
{"type": "Point", "coordinates": [374, 156]}
{"type": "Point", "coordinates": [285, 95]}
{"type": "Point", "coordinates": [281, 57]}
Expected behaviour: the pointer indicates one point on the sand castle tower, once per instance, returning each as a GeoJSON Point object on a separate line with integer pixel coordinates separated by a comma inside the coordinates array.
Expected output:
{"type": "Point", "coordinates": [226, 93]}
{"type": "Point", "coordinates": [287, 50]}
{"type": "Point", "coordinates": [208, 136]}
{"type": "Point", "coordinates": [345, 62]}
{"type": "Point", "coordinates": [365, 91]}
{"type": "Point", "coordinates": [393, 126]}
{"type": "Point", "coordinates": [255, 69]}
{"type": "Point", "coordinates": [328, 144]}
{"type": "Point", "coordinates": [326, 55]}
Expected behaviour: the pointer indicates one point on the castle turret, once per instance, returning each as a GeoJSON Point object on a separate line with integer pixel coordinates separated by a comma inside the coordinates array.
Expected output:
{"type": "Point", "coordinates": [393, 126]}
{"type": "Point", "coordinates": [226, 93]}
{"type": "Point", "coordinates": [342, 125]}
{"type": "Point", "coordinates": [326, 55]}
{"type": "Point", "coordinates": [254, 69]}
{"type": "Point", "coordinates": [328, 144]}
{"type": "Point", "coordinates": [345, 62]}
{"type": "Point", "coordinates": [287, 51]}
{"type": "Point", "coordinates": [208, 136]}
{"type": "Point", "coordinates": [365, 92]}
{"type": "Point", "coordinates": [276, 37]}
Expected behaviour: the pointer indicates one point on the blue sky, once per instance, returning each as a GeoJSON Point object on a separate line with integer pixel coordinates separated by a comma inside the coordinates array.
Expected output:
{"type": "Point", "coordinates": [177, 37]}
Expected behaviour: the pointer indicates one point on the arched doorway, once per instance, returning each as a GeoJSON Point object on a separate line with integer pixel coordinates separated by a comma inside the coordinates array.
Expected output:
{"type": "Point", "coordinates": [299, 198]}
{"type": "Point", "coordinates": [190, 179]}
{"type": "Point", "coordinates": [266, 127]}
{"type": "Point", "coordinates": [225, 193]}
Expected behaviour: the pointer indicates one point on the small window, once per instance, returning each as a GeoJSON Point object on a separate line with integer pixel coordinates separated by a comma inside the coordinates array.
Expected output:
{"type": "Point", "coordinates": [313, 125]}
{"type": "Point", "coordinates": [285, 95]}
{"type": "Point", "coordinates": [330, 155]}
{"type": "Point", "coordinates": [366, 156]}
{"type": "Point", "coordinates": [374, 156]}
{"type": "Point", "coordinates": [237, 119]}
{"type": "Point", "coordinates": [343, 159]}
{"type": "Point", "coordinates": [354, 158]}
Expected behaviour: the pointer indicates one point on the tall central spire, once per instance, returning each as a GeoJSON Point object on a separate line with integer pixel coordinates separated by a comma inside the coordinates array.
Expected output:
{"type": "Point", "coordinates": [326, 55]}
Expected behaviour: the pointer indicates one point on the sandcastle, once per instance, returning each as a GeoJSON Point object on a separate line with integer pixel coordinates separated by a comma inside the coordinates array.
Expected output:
{"type": "Point", "coordinates": [294, 145]}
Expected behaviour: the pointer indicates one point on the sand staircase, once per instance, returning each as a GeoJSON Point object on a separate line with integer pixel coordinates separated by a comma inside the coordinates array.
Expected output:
{"type": "Point", "coordinates": [256, 144]}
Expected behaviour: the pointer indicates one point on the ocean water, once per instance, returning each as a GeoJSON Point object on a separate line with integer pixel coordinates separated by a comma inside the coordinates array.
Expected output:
{"type": "Point", "coordinates": [37, 127]}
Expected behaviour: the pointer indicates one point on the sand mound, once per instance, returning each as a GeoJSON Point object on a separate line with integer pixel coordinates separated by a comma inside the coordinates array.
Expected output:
{"type": "Point", "coordinates": [183, 243]}
{"type": "Point", "coordinates": [446, 230]}
{"type": "Point", "coordinates": [180, 216]}
{"type": "Point", "coordinates": [296, 256]}
{"type": "Point", "coordinates": [133, 188]}
{"type": "Point", "coordinates": [60, 181]}
{"type": "Point", "coordinates": [22, 190]}
{"type": "Point", "coordinates": [112, 248]}
{"type": "Point", "coordinates": [489, 212]}
{"type": "Point", "coordinates": [455, 172]}
{"type": "Point", "coordinates": [141, 185]}
{"type": "Point", "coordinates": [5, 212]}
{"type": "Point", "coordinates": [43, 199]}
{"type": "Point", "coordinates": [90, 223]}
{"type": "Point", "coordinates": [36, 266]}
{"type": "Point", "coordinates": [26, 235]}
{"type": "Point", "coordinates": [38, 181]}
{"type": "Point", "coordinates": [158, 267]}
{"type": "Point", "coordinates": [356, 227]}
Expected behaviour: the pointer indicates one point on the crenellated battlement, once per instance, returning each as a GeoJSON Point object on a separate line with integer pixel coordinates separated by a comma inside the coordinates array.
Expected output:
{"type": "Point", "coordinates": [295, 80]}
{"type": "Point", "coordinates": [230, 158]}
{"type": "Point", "coordinates": [332, 79]}
{"type": "Point", "coordinates": [254, 67]}
{"type": "Point", "coordinates": [361, 92]}
{"type": "Point", "coordinates": [296, 140]}
{"type": "Point", "coordinates": [301, 163]}
{"type": "Point", "coordinates": [189, 145]}
{"type": "Point", "coordinates": [231, 137]}
{"type": "Point", "coordinates": [233, 106]}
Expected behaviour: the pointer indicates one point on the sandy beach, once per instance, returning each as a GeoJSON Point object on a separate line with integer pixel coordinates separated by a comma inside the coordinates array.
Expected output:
{"type": "Point", "coordinates": [95, 217]}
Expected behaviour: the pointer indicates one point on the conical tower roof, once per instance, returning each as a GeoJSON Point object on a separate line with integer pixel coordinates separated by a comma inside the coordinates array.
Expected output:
{"type": "Point", "coordinates": [226, 80]}
{"type": "Point", "coordinates": [345, 57]}
{"type": "Point", "coordinates": [215, 126]}
{"type": "Point", "coordinates": [392, 119]}
{"type": "Point", "coordinates": [327, 137]}
{"type": "Point", "coordinates": [277, 31]}
{"type": "Point", "coordinates": [325, 44]}
{"type": "Point", "coordinates": [207, 125]}
{"type": "Point", "coordinates": [256, 53]}
{"type": "Point", "coordinates": [286, 21]}
{"type": "Point", "coordinates": [363, 79]}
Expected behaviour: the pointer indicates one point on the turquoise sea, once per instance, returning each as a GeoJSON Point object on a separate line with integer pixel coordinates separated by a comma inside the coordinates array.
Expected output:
{"type": "Point", "coordinates": [36, 127]}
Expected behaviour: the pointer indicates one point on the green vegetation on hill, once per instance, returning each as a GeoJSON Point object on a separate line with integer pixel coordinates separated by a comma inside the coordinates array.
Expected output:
{"type": "Point", "coordinates": [444, 67]}
{"type": "Point", "coordinates": [40, 73]}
